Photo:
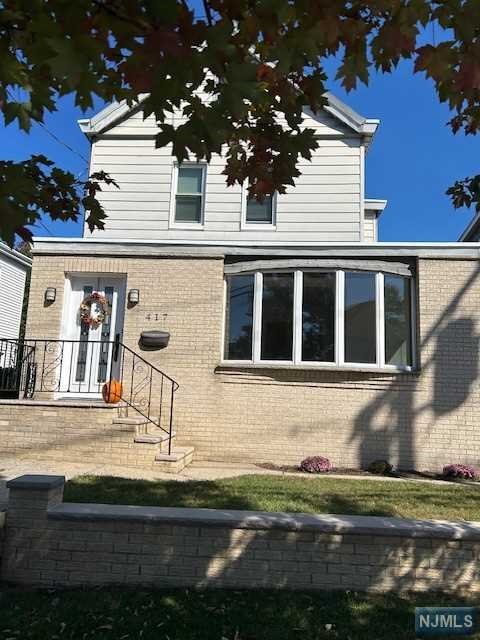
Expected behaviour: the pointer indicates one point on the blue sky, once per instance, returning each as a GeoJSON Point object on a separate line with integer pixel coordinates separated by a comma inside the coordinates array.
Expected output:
{"type": "Point", "coordinates": [412, 161]}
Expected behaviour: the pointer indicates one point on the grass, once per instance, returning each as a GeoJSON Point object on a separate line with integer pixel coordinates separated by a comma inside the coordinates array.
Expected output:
{"type": "Point", "coordinates": [284, 493]}
{"type": "Point", "coordinates": [123, 614]}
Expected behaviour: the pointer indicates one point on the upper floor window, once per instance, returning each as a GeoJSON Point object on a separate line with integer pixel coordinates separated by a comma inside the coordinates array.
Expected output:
{"type": "Point", "coordinates": [256, 212]}
{"type": "Point", "coordinates": [259, 212]}
{"type": "Point", "coordinates": [189, 194]}
{"type": "Point", "coordinates": [333, 318]}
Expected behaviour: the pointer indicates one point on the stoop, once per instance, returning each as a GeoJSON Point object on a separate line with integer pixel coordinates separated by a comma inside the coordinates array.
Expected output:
{"type": "Point", "coordinates": [154, 441]}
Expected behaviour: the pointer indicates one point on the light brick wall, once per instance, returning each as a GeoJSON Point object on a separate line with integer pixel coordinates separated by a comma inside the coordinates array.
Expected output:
{"type": "Point", "coordinates": [70, 434]}
{"type": "Point", "coordinates": [422, 421]}
{"type": "Point", "coordinates": [53, 544]}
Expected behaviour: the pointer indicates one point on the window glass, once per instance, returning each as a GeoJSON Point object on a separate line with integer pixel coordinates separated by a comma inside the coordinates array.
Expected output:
{"type": "Point", "coordinates": [318, 317]}
{"type": "Point", "coordinates": [277, 316]}
{"type": "Point", "coordinates": [189, 209]}
{"type": "Point", "coordinates": [190, 180]}
{"type": "Point", "coordinates": [360, 318]}
{"type": "Point", "coordinates": [398, 348]}
{"type": "Point", "coordinates": [260, 211]}
{"type": "Point", "coordinates": [188, 200]}
{"type": "Point", "coordinates": [239, 320]}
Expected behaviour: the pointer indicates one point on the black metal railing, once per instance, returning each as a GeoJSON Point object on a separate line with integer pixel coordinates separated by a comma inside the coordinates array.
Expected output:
{"type": "Point", "coordinates": [80, 368]}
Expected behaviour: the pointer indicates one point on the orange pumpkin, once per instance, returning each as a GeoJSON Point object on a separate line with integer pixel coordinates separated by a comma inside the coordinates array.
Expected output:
{"type": "Point", "coordinates": [112, 391]}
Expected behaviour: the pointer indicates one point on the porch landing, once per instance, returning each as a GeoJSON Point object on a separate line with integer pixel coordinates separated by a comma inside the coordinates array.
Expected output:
{"type": "Point", "coordinates": [72, 430]}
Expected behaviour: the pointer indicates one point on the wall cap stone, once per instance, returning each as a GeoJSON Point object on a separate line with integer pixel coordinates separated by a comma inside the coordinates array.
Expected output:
{"type": "Point", "coordinates": [34, 482]}
{"type": "Point", "coordinates": [321, 523]}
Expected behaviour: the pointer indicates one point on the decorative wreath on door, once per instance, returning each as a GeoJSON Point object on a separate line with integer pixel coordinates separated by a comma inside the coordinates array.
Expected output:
{"type": "Point", "coordinates": [86, 309]}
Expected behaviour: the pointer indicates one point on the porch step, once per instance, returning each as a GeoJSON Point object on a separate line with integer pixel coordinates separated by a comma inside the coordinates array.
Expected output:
{"type": "Point", "coordinates": [135, 420]}
{"type": "Point", "coordinates": [175, 461]}
{"type": "Point", "coordinates": [150, 438]}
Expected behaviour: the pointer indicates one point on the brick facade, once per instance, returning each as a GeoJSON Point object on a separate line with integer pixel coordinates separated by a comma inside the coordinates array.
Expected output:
{"type": "Point", "coordinates": [52, 544]}
{"type": "Point", "coordinates": [421, 420]}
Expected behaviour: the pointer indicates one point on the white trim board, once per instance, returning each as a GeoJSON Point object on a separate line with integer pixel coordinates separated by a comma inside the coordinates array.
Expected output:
{"type": "Point", "coordinates": [220, 248]}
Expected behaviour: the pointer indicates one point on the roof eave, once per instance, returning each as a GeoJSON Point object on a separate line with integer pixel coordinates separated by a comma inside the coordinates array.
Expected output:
{"type": "Point", "coordinates": [375, 204]}
{"type": "Point", "coordinates": [16, 256]}
{"type": "Point", "coordinates": [474, 224]}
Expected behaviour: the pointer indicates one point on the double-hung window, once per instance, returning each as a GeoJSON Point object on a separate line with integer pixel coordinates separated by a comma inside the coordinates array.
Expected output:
{"type": "Point", "coordinates": [338, 317]}
{"type": "Point", "coordinates": [259, 212]}
{"type": "Point", "coordinates": [189, 194]}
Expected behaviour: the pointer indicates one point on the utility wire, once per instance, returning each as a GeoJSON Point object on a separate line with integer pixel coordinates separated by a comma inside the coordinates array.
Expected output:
{"type": "Point", "coordinates": [57, 139]}
{"type": "Point", "coordinates": [42, 224]}
{"type": "Point", "coordinates": [50, 133]}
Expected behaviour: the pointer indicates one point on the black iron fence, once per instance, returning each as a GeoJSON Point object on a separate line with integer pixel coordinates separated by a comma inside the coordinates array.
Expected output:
{"type": "Point", "coordinates": [82, 368]}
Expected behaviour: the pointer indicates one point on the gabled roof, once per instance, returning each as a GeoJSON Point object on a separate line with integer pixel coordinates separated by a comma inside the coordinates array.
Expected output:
{"type": "Point", "coordinates": [472, 230]}
{"type": "Point", "coordinates": [118, 111]}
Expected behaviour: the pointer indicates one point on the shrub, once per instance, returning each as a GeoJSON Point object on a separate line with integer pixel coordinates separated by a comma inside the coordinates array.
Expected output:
{"type": "Point", "coordinates": [380, 467]}
{"type": "Point", "coordinates": [464, 471]}
{"type": "Point", "coordinates": [316, 464]}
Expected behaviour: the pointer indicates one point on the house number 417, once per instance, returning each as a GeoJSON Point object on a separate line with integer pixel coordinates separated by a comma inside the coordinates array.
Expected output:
{"type": "Point", "coordinates": [155, 317]}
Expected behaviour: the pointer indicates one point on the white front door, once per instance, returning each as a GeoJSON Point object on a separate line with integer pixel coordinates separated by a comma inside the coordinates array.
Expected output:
{"type": "Point", "coordinates": [88, 351]}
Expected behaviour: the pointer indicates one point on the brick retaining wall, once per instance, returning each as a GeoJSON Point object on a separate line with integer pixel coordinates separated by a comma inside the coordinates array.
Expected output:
{"type": "Point", "coordinates": [51, 543]}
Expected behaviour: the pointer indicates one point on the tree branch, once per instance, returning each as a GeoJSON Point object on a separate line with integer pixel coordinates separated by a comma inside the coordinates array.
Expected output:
{"type": "Point", "coordinates": [208, 12]}
{"type": "Point", "coordinates": [113, 12]}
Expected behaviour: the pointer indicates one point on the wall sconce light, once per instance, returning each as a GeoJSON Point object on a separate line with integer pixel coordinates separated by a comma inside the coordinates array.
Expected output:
{"type": "Point", "coordinates": [134, 296]}
{"type": "Point", "coordinates": [50, 294]}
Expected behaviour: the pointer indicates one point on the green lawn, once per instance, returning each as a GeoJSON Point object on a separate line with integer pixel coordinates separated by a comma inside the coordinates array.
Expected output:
{"type": "Point", "coordinates": [212, 615]}
{"type": "Point", "coordinates": [288, 493]}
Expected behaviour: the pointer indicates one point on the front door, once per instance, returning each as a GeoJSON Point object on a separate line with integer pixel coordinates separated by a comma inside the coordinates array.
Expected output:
{"type": "Point", "coordinates": [88, 351]}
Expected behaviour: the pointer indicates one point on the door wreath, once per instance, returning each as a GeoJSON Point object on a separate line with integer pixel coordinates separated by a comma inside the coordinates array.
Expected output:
{"type": "Point", "coordinates": [86, 309]}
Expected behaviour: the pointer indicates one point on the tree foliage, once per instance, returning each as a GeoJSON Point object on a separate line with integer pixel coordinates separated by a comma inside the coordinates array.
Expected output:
{"type": "Point", "coordinates": [256, 60]}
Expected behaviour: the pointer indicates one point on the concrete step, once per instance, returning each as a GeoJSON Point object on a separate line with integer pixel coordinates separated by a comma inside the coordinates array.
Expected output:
{"type": "Point", "coordinates": [134, 421]}
{"type": "Point", "coordinates": [153, 438]}
{"type": "Point", "coordinates": [130, 420]}
{"type": "Point", "coordinates": [175, 461]}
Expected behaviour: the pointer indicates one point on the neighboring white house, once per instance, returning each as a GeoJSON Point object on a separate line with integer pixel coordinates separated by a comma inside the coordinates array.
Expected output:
{"type": "Point", "coordinates": [14, 267]}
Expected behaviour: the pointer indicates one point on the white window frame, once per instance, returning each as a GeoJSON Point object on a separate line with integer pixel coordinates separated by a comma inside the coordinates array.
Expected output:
{"type": "Point", "coordinates": [257, 226]}
{"type": "Point", "coordinates": [173, 196]}
{"type": "Point", "coordinates": [339, 362]}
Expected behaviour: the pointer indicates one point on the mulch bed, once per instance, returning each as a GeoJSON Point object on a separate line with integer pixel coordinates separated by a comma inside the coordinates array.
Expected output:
{"type": "Point", "coordinates": [405, 475]}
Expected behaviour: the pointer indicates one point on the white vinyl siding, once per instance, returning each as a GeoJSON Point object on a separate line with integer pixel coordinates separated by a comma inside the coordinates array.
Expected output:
{"type": "Point", "coordinates": [12, 287]}
{"type": "Point", "coordinates": [370, 226]}
{"type": "Point", "coordinates": [324, 205]}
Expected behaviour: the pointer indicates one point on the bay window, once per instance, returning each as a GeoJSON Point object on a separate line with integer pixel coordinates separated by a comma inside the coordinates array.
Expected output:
{"type": "Point", "coordinates": [239, 325]}
{"type": "Point", "coordinates": [360, 318]}
{"type": "Point", "coordinates": [277, 316]}
{"type": "Point", "coordinates": [318, 317]}
{"type": "Point", "coordinates": [328, 317]}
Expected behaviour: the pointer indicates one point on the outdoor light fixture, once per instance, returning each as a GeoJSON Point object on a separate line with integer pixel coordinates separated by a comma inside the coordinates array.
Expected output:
{"type": "Point", "coordinates": [50, 294]}
{"type": "Point", "coordinates": [134, 296]}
